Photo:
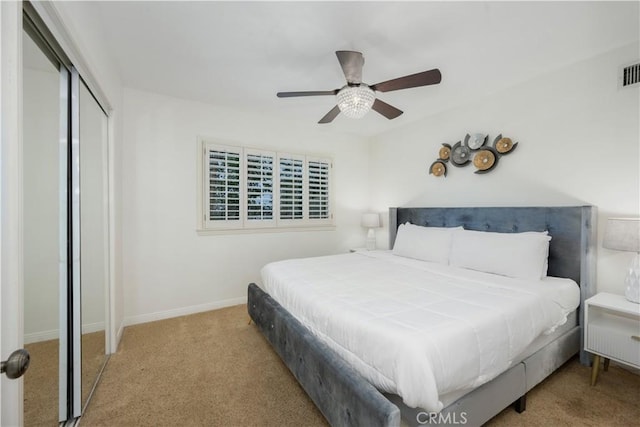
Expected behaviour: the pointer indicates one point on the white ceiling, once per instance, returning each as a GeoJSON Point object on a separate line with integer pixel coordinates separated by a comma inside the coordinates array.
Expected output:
{"type": "Point", "coordinates": [239, 54]}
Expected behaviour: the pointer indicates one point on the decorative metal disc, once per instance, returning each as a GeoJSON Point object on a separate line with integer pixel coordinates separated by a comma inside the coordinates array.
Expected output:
{"type": "Point", "coordinates": [460, 154]}
{"type": "Point", "coordinates": [485, 160]}
{"type": "Point", "coordinates": [476, 140]}
{"type": "Point", "coordinates": [438, 168]}
{"type": "Point", "coordinates": [445, 152]}
{"type": "Point", "coordinates": [504, 145]}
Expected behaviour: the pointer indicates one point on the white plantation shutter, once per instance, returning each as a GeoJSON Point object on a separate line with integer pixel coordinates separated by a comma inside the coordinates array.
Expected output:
{"type": "Point", "coordinates": [245, 188]}
{"type": "Point", "coordinates": [260, 187]}
{"type": "Point", "coordinates": [318, 188]}
{"type": "Point", "coordinates": [291, 185]}
{"type": "Point", "coordinates": [222, 187]}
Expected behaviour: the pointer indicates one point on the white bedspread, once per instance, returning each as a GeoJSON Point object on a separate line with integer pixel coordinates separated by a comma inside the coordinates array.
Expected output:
{"type": "Point", "coordinates": [414, 328]}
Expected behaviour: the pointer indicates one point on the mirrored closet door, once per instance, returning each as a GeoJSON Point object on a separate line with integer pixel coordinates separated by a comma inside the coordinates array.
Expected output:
{"type": "Point", "coordinates": [45, 231]}
{"type": "Point", "coordinates": [66, 237]}
{"type": "Point", "coordinates": [94, 238]}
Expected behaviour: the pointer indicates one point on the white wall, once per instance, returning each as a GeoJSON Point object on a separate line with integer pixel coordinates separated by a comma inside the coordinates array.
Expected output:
{"type": "Point", "coordinates": [168, 269]}
{"type": "Point", "coordinates": [578, 144]}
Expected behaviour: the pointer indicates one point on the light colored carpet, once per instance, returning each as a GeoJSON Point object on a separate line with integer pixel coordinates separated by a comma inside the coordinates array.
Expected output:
{"type": "Point", "coordinates": [208, 369]}
{"type": "Point", "coordinates": [41, 379]}
{"type": "Point", "coordinates": [566, 398]}
{"type": "Point", "coordinates": [41, 384]}
{"type": "Point", "coordinates": [213, 369]}
{"type": "Point", "coordinates": [93, 358]}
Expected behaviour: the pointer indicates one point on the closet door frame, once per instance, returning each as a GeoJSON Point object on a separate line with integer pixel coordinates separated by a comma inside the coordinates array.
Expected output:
{"type": "Point", "coordinates": [11, 224]}
{"type": "Point", "coordinates": [74, 300]}
{"type": "Point", "coordinates": [63, 248]}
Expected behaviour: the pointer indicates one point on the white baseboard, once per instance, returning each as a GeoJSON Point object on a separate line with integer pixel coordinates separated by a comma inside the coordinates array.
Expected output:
{"type": "Point", "coordinates": [92, 327]}
{"type": "Point", "coordinates": [41, 336]}
{"type": "Point", "coordinates": [53, 334]}
{"type": "Point", "coordinates": [161, 315]}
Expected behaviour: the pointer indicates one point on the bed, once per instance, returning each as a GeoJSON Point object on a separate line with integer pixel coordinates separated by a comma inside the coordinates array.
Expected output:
{"type": "Point", "coordinates": [343, 390]}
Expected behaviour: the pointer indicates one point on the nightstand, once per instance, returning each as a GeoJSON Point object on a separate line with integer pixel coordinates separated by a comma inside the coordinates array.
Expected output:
{"type": "Point", "coordinates": [612, 331]}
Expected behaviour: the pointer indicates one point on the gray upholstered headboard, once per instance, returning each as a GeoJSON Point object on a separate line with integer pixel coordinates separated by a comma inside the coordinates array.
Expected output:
{"type": "Point", "coordinates": [572, 250]}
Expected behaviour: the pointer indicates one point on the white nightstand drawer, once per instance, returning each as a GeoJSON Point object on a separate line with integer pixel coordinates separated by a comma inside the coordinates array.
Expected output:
{"type": "Point", "coordinates": [615, 342]}
{"type": "Point", "coordinates": [611, 330]}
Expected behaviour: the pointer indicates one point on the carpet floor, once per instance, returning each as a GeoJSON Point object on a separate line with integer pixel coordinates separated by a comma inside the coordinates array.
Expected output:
{"type": "Point", "coordinates": [214, 369]}
{"type": "Point", "coordinates": [41, 380]}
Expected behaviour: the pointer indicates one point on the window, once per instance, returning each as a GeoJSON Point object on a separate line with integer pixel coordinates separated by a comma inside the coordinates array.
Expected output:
{"type": "Point", "coordinates": [291, 177]}
{"type": "Point", "coordinates": [259, 190]}
{"type": "Point", "coordinates": [223, 185]}
{"type": "Point", "coordinates": [246, 188]}
{"type": "Point", "coordinates": [318, 170]}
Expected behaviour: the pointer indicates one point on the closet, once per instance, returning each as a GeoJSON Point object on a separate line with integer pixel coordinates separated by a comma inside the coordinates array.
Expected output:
{"type": "Point", "coordinates": [66, 235]}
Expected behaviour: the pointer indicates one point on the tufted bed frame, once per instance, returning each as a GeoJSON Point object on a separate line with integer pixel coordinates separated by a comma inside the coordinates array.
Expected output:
{"type": "Point", "coordinates": [346, 399]}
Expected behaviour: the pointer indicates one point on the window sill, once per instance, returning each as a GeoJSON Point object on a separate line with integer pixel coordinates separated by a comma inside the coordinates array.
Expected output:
{"type": "Point", "coordinates": [210, 232]}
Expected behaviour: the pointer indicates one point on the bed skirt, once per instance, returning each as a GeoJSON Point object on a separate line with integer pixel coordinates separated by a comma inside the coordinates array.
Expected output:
{"type": "Point", "coordinates": [343, 396]}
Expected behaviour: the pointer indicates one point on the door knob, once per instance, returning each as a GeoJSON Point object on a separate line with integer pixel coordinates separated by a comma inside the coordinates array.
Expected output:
{"type": "Point", "coordinates": [16, 365]}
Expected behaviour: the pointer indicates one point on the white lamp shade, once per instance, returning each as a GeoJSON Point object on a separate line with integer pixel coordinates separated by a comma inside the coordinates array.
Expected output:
{"type": "Point", "coordinates": [371, 220]}
{"type": "Point", "coordinates": [622, 234]}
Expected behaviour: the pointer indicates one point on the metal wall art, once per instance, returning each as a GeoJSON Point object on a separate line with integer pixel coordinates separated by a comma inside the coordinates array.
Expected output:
{"type": "Point", "coordinates": [474, 150]}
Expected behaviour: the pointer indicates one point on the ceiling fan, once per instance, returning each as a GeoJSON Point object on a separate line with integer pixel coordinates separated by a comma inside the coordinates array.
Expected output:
{"type": "Point", "coordinates": [355, 98]}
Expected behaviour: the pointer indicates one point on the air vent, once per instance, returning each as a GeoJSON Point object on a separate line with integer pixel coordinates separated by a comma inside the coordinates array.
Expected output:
{"type": "Point", "coordinates": [630, 75]}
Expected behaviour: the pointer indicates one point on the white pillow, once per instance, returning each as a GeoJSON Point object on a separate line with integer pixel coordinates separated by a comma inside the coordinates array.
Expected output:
{"type": "Point", "coordinates": [545, 267]}
{"type": "Point", "coordinates": [424, 243]}
{"type": "Point", "coordinates": [520, 255]}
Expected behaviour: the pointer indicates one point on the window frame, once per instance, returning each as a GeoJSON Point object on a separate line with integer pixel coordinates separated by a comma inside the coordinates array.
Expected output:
{"type": "Point", "coordinates": [205, 225]}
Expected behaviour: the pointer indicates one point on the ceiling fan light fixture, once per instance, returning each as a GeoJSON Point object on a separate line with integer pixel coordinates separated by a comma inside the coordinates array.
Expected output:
{"type": "Point", "coordinates": [355, 101]}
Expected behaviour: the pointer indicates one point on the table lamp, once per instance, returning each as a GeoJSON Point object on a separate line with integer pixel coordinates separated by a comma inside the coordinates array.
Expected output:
{"type": "Point", "coordinates": [623, 234]}
{"type": "Point", "coordinates": [371, 221]}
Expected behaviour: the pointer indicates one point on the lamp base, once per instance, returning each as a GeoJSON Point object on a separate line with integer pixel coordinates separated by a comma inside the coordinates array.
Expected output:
{"type": "Point", "coordinates": [632, 281]}
{"type": "Point", "coordinates": [371, 240]}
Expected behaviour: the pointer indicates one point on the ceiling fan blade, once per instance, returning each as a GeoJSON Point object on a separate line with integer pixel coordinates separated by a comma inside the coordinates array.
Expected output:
{"type": "Point", "coordinates": [328, 118]}
{"type": "Point", "coordinates": [308, 93]}
{"type": "Point", "coordinates": [389, 111]}
{"type": "Point", "coordinates": [351, 63]}
{"type": "Point", "coordinates": [425, 78]}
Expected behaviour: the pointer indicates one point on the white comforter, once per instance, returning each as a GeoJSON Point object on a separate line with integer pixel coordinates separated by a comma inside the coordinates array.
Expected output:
{"type": "Point", "coordinates": [414, 328]}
